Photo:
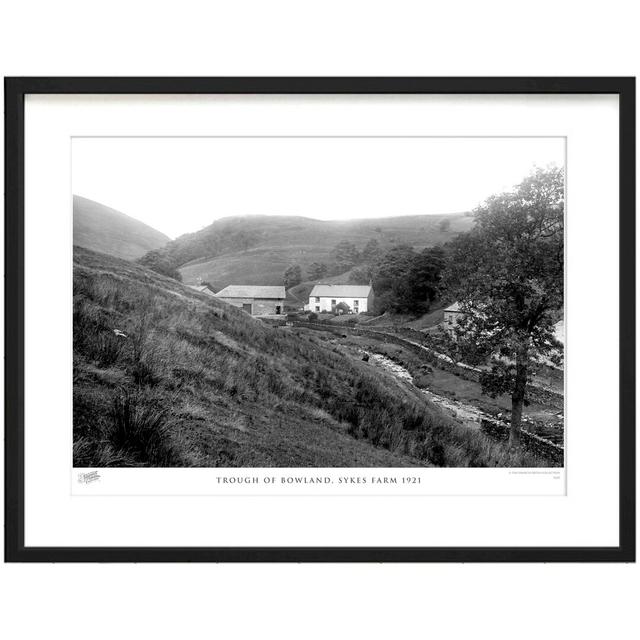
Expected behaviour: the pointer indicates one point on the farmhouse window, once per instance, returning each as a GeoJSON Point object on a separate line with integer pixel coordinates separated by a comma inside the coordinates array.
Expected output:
{"type": "Point", "coordinates": [317, 307]}
{"type": "Point", "coordinates": [333, 302]}
{"type": "Point", "coordinates": [317, 299]}
{"type": "Point", "coordinates": [356, 303]}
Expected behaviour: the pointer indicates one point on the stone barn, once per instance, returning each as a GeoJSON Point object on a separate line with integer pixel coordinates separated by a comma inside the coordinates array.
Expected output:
{"type": "Point", "coordinates": [255, 300]}
{"type": "Point", "coordinates": [201, 288]}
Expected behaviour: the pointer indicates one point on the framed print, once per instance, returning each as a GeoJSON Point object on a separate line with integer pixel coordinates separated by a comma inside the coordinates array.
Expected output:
{"type": "Point", "coordinates": [320, 319]}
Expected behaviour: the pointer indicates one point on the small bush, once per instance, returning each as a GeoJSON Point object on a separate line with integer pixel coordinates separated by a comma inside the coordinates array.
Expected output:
{"type": "Point", "coordinates": [139, 428]}
{"type": "Point", "coordinates": [101, 347]}
{"type": "Point", "coordinates": [143, 373]}
{"type": "Point", "coordinates": [435, 455]}
{"type": "Point", "coordinates": [108, 348]}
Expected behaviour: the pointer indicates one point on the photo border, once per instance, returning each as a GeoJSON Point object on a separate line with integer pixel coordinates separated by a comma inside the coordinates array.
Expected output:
{"type": "Point", "coordinates": [15, 91]}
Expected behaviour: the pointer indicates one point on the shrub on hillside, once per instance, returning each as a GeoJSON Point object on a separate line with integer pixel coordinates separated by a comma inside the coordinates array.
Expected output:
{"type": "Point", "coordinates": [103, 347]}
{"type": "Point", "coordinates": [139, 429]}
{"type": "Point", "coordinates": [159, 262]}
{"type": "Point", "coordinates": [93, 336]}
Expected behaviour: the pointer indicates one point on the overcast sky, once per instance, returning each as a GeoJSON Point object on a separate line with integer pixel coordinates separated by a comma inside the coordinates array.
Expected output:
{"type": "Point", "coordinates": [179, 185]}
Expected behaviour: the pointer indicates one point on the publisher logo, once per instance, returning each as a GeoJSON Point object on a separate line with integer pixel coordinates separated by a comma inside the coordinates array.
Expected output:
{"type": "Point", "coordinates": [88, 477]}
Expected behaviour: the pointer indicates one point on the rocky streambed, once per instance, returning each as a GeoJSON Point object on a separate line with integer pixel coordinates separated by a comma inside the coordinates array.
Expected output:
{"type": "Point", "coordinates": [467, 414]}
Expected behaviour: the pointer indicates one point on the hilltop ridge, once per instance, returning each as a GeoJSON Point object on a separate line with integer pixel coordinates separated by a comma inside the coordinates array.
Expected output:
{"type": "Point", "coordinates": [101, 228]}
{"type": "Point", "coordinates": [257, 249]}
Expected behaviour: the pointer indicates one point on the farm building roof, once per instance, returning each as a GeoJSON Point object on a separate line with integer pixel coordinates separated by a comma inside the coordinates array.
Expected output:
{"type": "Point", "coordinates": [341, 291]}
{"type": "Point", "coordinates": [251, 291]}
{"type": "Point", "coordinates": [202, 288]}
{"type": "Point", "coordinates": [455, 307]}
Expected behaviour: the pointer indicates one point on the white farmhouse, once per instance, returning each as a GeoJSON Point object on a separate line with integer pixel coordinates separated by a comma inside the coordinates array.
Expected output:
{"type": "Point", "coordinates": [326, 297]}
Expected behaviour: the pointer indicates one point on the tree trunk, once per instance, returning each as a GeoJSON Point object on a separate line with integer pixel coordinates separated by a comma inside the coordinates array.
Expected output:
{"type": "Point", "coordinates": [517, 398]}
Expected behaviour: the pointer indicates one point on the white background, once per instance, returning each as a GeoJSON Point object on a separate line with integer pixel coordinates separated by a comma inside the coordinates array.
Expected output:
{"type": "Point", "coordinates": [332, 38]}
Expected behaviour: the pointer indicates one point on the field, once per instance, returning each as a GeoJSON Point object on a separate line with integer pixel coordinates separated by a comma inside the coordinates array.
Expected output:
{"type": "Point", "coordinates": [165, 376]}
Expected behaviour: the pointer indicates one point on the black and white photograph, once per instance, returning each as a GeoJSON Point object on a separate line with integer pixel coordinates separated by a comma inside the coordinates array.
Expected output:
{"type": "Point", "coordinates": [320, 320]}
{"type": "Point", "coordinates": [318, 302]}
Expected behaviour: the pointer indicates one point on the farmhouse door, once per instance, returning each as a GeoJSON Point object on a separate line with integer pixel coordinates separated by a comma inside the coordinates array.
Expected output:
{"type": "Point", "coordinates": [247, 308]}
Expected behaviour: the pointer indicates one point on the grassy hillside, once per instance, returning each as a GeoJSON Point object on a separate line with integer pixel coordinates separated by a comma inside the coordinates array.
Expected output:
{"type": "Point", "coordinates": [196, 382]}
{"type": "Point", "coordinates": [101, 228]}
{"type": "Point", "coordinates": [257, 249]}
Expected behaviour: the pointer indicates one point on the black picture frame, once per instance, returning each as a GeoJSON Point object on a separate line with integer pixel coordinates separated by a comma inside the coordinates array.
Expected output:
{"type": "Point", "coordinates": [15, 91]}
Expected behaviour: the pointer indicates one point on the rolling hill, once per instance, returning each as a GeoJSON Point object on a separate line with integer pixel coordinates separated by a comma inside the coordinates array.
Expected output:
{"type": "Point", "coordinates": [166, 376]}
{"type": "Point", "coordinates": [101, 228]}
{"type": "Point", "coordinates": [258, 249]}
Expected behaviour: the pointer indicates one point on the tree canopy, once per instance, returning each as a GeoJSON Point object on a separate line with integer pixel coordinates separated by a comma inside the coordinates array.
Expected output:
{"type": "Point", "coordinates": [408, 281]}
{"type": "Point", "coordinates": [317, 270]}
{"type": "Point", "coordinates": [292, 276]}
{"type": "Point", "coordinates": [159, 262]}
{"type": "Point", "coordinates": [346, 256]}
{"type": "Point", "coordinates": [507, 274]}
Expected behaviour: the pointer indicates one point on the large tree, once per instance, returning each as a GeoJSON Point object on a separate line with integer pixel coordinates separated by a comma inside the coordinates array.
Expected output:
{"type": "Point", "coordinates": [159, 262]}
{"type": "Point", "coordinates": [424, 278]}
{"type": "Point", "coordinates": [361, 275]}
{"type": "Point", "coordinates": [371, 252]}
{"type": "Point", "coordinates": [507, 274]}
{"type": "Point", "coordinates": [345, 255]}
{"type": "Point", "coordinates": [292, 276]}
{"type": "Point", "coordinates": [406, 281]}
{"type": "Point", "coordinates": [391, 279]}
{"type": "Point", "coordinates": [317, 270]}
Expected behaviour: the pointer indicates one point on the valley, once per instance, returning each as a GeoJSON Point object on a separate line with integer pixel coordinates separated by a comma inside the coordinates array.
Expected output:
{"type": "Point", "coordinates": [457, 395]}
{"type": "Point", "coordinates": [394, 362]}
{"type": "Point", "coordinates": [167, 376]}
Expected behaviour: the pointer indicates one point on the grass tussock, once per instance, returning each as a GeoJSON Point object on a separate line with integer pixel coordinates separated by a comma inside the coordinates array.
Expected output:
{"type": "Point", "coordinates": [166, 377]}
{"type": "Point", "coordinates": [139, 428]}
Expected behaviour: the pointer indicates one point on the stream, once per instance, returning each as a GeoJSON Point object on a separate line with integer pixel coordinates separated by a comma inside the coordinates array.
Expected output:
{"type": "Point", "coordinates": [466, 413]}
